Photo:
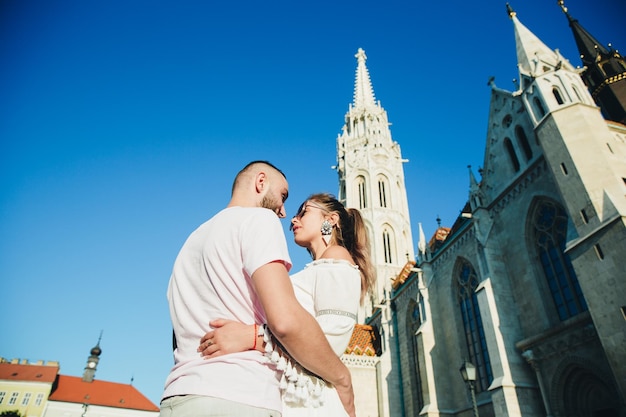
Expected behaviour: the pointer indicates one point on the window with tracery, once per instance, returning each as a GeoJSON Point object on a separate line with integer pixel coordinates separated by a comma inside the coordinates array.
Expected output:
{"type": "Point", "coordinates": [382, 193]}
{"type": "Point", "coordinates": [362, 192]}
{"type": "Point", "coordinates": [550, 229]}
{"type": "Point", "coordinates": [467, 282]}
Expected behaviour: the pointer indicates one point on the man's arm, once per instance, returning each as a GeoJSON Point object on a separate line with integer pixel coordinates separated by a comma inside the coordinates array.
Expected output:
{"type": "Point", "coordinates": [299, 332]}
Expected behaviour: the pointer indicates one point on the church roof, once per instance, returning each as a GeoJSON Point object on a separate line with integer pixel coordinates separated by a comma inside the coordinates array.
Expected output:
{"type": "Point", "coordinates": [403, 275]}
{"type": "Point", "coordinates": [10, 371]}
{"type": "Point", "coordinates": [362, 341]}
{"type": "Point", "coordinates": [588, 46]}
{"type": "Point", "coordinates": [73, 389]}
{"type": "Point", "coordinates": [439, 237]}
{"type": "Point", "coordinates": [533, 56]}
{"type": "Point", "coordinates": [605, 71]}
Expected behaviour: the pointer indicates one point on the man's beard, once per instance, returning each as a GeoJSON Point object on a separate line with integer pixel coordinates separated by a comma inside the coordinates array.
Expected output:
{"type": "Point", "coordinates": [270, 203]}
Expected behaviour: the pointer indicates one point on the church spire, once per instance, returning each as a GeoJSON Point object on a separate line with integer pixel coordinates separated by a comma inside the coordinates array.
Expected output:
{"type": "Point", "coordinates": [92, 362]}
{"type": "Point", "coordinates": [371, 178]}
{"type": "Point", "coordinates": [605, 73]}
{"type": "Point", "coordinates": [534, 58]}
{"type": "Point", "coordinates": [363, 90]}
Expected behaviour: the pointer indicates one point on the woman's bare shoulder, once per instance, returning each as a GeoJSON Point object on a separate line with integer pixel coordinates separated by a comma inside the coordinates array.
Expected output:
{"type": "Point", "coordinates": [337, 252]}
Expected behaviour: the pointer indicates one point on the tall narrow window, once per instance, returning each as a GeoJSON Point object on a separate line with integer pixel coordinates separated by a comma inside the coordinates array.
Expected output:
{"type": "Point", "coordinates": [583, 216]}
{"type": "Point", "coordinates": [13, 398]}
{"type": "Point", "coordinates": [599, 252]}
{"type": "Point", "coordinates": [413, 323]}
{"type": "Point", "coordinates": [26, 398]}
{"type": "Point", "coordinates": [557, 95]}
{"type": "Point", "coordinates": [550, 228]}
{"type": "Point", "coordinates": [387, 246]}
{"type": "Point", "coordinates": [467, 281]}
{"type": "Point", "coordinates": [522, 140]}
{"type": "Point", "coordinates": [539, 107]}
{"type": "Point", "coordinates": [576, 92]}
{"type": "Point", "coordinates": [362, 192]}
{"type": "Point", "coordinates": [382, 194]}
{"type": "Point", "coordinates": [2, 395]}
{"type": "Point", "coordinates": [512, 155]}
{"type": "Point", "coordinates": [38, 399]}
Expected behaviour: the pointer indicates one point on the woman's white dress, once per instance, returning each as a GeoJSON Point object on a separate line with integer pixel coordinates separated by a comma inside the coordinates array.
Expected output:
{"type": "Point", "coordinates": [330, 290]}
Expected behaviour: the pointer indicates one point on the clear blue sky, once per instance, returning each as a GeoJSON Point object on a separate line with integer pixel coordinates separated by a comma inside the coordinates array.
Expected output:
{"type": "Point", "coordinates": [123, 124]}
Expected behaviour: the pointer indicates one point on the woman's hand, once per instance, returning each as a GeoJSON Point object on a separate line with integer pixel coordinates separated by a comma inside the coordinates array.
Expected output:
{"type": "Point", "coordinates": [227, 336]}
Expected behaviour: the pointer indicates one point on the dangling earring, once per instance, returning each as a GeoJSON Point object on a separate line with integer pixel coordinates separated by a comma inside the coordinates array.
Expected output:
{"type": "Point", "coordinates": [327, 231]}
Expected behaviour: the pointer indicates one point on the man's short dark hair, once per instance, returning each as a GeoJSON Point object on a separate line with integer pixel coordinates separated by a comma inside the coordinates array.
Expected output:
{"type": "Point", "coordinates": [247, 167]}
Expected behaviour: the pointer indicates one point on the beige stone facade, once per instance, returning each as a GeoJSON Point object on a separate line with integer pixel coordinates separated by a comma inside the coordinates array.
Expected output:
{"type": "Point", "coordinates": [529, 284]}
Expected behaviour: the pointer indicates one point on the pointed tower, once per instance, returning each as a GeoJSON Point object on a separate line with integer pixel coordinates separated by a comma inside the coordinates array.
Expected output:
{"type": "Point", "coordinates": [92, 362]}
{"type": "Point", "coordinates": [605, 73]}
{"type": "Point", "coordinates": [587, 159]}
{"type": "Point", "coordinates": [371, 178]}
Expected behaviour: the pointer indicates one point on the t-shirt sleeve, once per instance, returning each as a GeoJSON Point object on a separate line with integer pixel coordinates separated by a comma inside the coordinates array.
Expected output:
{"type": "Point", "coordinates": [263, 241]}
{"type": "Point", "coordinates": [337, 293]}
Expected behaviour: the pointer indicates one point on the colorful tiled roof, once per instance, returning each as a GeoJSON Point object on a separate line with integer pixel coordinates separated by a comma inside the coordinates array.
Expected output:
{"type": "Point", "coordinates": [362, 341]}
{"type": "Point", "coordinates": [440, 235]}
{"type": "Point", "coordinates": [108, 394]}
{"type": "Point", "coordinates": [403, 275]}
{"type": "Point", "coordinates": [28, 372]}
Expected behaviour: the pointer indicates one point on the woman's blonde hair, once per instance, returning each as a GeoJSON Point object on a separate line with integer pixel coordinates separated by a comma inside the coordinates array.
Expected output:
{"type": "Point", "coordinates": [350, 232]}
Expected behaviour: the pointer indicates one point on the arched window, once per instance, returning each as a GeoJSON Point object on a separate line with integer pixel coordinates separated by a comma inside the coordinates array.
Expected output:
{"type": "Point", "coordinates": [362, 192]}
{"type": "Point", "coordinates": [413, 323]}
{"type": "Point", "coordinates": [382, 191]}
{"type": "Point", "coordinates": [539, 107]}
{"type": "Point", "coordinates": [467, 281]}
{"type": "Point", "coordinates": [550, 228]}
{"type": "Point", "coordinates": [387, 246]}
{"type": "Point", "coordinates": [522, 140]}
{"type": "Point", "coordinates": [512, 155]}
{"type": "Point", "coordinates": [557, 95]}
{"type": "Point", "coordinates": [576, 92]}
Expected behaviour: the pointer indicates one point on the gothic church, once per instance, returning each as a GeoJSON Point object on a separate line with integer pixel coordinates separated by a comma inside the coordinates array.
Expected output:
{"type": "Point", "coordinates": [527, 289]}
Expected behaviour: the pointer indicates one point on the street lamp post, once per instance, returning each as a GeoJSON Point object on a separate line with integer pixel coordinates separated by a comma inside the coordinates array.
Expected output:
{"type": "Point", "coordinates": [468, 372]}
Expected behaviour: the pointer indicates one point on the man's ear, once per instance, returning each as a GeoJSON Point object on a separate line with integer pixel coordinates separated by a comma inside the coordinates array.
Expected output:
{"type": "Point", "coordinates": [260, 182]}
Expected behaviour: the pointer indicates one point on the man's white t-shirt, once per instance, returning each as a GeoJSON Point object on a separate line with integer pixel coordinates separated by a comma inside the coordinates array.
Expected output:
{"type": "Point", "coordinates": [211, 279]}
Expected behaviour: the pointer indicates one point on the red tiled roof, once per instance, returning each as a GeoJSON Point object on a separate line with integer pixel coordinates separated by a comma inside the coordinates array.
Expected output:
{"type": "Point", "coordinates": [403, 275]}
{"type": "Point", "coordinates": [28, 372]}
{"type": "Point", "coordinates": [440, 235]}
{"type": "Point", "coordinates": [362, 341]}
{"type": "Point", "coordinates": [73, 389]}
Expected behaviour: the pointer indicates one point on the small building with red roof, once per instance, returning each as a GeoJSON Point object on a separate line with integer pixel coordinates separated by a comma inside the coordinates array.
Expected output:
{"type": "Point", "coordinates": [25, 387]}
{"type": "Point", "coordinates": [73, 396]}
{"type": "Point", "coordinates": [38, 390]}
